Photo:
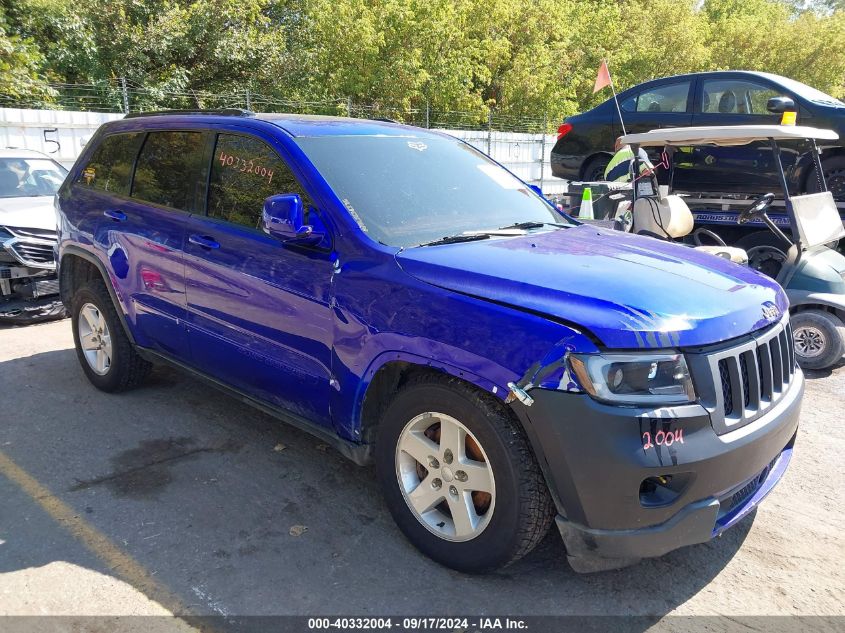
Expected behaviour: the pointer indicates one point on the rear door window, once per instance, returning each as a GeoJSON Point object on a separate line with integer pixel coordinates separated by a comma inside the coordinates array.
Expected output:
{"type": "Point", "coordinates": [110, 166]}
{"type": "Point", "coordinates": [171, 171]}
{"type": "Point", "coordinates": [671, 98]}
{"type": "Point", "coordinates": [245, 172]}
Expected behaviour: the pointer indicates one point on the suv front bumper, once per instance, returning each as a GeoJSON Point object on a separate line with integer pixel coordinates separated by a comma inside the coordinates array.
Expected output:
{"type": "Point", "coordinates": [600, 471]}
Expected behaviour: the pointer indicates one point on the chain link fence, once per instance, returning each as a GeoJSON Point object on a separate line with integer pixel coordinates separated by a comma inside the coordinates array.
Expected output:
{"type": "Point", "coordinates": [121, 95]}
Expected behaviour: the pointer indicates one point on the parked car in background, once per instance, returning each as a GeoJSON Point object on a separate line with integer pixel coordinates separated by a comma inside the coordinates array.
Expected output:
{"type": "Point", "coordinates": [28, 286]}
{"type": "Point", "coordinates": [411, 302]}
{"type": "Point", "coordinates": [585, 141]}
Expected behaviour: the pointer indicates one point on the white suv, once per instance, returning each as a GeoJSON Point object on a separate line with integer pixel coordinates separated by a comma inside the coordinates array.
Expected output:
{"type": "Point", "coordinates": [28, 285]}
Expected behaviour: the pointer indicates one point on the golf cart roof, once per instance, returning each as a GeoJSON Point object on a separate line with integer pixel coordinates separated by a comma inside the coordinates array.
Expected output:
{"type": "Point", "coordinates": [726, 135]}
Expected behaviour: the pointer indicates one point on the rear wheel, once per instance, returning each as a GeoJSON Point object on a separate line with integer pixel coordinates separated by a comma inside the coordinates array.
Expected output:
{"type": "Point", "coordinates": [104, 351]}
{"type": "Point", "coordinates": [459, 476]}
{"type": "Point", "coordinates": [819, 338]}
{"type": "Point", "coordinates": [594, 169]}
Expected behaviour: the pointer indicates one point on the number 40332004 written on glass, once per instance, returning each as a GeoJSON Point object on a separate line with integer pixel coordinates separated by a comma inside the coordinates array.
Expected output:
{"type": "Point", "coordinates": [245, 165]}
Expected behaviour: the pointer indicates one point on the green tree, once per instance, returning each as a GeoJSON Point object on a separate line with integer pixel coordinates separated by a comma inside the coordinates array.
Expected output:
{"type": "Point", "coordinates": [21, 67]}
{"type": "Point", "coordinates": [770, 36]}
{"type": "Point", "coordinates": [525, 58]}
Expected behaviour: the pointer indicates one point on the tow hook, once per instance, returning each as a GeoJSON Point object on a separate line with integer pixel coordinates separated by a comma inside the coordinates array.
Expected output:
{"type": "Point", "coordinates": [520, 394]}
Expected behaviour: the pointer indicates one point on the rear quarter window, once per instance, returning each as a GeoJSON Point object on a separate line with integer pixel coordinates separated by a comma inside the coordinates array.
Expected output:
{"type": "Point", "coordinates": [110, 166]}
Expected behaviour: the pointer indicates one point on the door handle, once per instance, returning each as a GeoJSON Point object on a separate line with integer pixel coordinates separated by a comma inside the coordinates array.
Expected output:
{"type": "Point", "coordinates": [117, 216]}
{"type": "Point", "coordinates": [204, 241]}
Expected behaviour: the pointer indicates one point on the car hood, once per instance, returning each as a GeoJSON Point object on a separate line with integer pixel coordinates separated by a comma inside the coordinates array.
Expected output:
{"type": "Point", "coordinates": [33, 212]}
{"type": "Point", "coordinates": [629, 291]}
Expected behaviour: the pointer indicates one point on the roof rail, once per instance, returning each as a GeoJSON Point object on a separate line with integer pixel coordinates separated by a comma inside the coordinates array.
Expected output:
{"type": "Point", "coordinates": [220, 112]}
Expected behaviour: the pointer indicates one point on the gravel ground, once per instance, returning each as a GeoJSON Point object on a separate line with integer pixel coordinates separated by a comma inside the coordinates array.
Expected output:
{"type": "Point", "coordinates": [177, 498]}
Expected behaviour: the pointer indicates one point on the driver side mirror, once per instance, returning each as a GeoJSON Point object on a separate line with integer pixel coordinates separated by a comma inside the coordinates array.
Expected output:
{"type": "Point", "coordinates": [779, 105]}
{"type": "Point", "coordinates": [283, 217]}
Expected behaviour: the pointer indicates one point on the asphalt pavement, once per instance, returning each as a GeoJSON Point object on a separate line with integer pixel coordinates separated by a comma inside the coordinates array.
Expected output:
{"type": "Point", "coordinates": [176, 498]}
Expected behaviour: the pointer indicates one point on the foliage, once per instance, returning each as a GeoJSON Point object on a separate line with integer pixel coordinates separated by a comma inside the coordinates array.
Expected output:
{"type": "Point", "coordinates": [524, 57]}
{"type": "Point", "coordinates": [21, 65]}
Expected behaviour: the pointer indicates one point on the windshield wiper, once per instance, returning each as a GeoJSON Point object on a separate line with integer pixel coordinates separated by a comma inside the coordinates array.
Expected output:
{"type": "Point", "coordinates": [532, 225]}
{"type": "Point", "coordinates": [454, 239]}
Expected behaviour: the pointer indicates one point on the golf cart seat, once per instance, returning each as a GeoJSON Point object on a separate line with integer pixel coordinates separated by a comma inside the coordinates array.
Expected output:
{"type": "Point", "coordinates": [669, 218]}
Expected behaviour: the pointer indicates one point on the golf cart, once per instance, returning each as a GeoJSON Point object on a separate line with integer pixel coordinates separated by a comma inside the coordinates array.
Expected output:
{"type": "Point", "coordinates": [812, 273]}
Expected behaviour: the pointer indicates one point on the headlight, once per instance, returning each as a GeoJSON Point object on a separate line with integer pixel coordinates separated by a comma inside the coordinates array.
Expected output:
{"type": "Point", "coordinates": [646, 379]}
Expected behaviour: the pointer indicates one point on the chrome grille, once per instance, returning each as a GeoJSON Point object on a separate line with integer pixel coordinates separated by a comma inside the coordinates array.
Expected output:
{"type": "Point", "coordinates": [41, 234]}
{"type": "Point", "coordinates": [33, 253]}
{"type": "Point", "coordinates": [739, 383]}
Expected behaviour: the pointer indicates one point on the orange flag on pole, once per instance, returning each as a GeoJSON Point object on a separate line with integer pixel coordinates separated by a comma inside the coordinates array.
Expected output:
{"type": "Point", "coordinates": [603, 78]}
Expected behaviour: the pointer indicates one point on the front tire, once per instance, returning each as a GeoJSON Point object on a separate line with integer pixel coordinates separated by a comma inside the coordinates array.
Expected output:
{"type": "Point", "coordinates": [459, 476]}
{"type": "Point", "coordinates": [102, 347]}
{"type": "Point", "coordinates": [819, 338]}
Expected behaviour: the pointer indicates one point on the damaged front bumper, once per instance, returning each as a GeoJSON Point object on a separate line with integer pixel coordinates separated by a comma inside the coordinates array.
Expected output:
{"type": "Point", "coordinates": [29, 287]}
{"type": "Point", "coordinates": [621, 497]}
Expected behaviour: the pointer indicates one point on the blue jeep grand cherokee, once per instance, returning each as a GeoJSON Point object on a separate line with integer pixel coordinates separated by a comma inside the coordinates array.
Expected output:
{"type": "Point", "coordinates": [401, 296]}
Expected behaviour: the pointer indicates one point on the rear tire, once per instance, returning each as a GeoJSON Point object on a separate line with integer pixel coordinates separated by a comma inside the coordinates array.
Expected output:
{"type": "Point", "coordinates": [594, 169]}
{"type": "Point", "coordinates": [819, 338]}
{"type": "Point", "coordinates": [105, 352]}
{"type": "Point", "coordinates": [507, 511]}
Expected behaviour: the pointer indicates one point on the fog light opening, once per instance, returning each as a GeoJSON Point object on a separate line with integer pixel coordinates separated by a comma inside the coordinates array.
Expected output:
{"type": "Point", "coordinates": [662, 490]}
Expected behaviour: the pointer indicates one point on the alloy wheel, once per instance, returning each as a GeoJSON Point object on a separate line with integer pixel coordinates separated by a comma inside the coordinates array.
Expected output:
{"type": "Point", "coordinates": [95, 339]}
{"type": "Point", "coordinates": [445, 477]}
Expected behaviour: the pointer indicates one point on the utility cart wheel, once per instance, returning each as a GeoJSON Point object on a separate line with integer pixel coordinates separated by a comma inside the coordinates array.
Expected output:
{"type": "Point", "coordinates": [819, 338]}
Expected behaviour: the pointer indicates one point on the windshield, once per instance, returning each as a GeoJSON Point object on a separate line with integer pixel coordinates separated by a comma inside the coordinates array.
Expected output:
{"type": "Point", "coordinates": [22, 177]}
{"type": "Point", "coordinates": [406, 191]}
{"type": "Point", "coordinates": [807, 92]}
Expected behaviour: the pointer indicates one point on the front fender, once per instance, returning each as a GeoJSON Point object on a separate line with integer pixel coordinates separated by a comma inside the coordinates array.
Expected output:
{"type": "Point", "coordinates": [490, 385]}
{"type": "Point", "coordinates": [805, 298]}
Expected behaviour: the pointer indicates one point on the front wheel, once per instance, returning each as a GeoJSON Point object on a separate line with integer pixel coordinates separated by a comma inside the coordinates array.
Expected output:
{"type": "Point", "coordinates": [819, 338]}
{"type": "Point", "coordinates": [459, 476]}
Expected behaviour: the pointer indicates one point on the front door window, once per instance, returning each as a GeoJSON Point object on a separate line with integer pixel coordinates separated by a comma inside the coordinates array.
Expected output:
{"type": "Point", "coordinates": [736, 96]}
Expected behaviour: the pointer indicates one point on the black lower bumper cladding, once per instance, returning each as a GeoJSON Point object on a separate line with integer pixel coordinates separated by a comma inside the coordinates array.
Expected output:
{"type": "Point", "coordinates": [622, 497]}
